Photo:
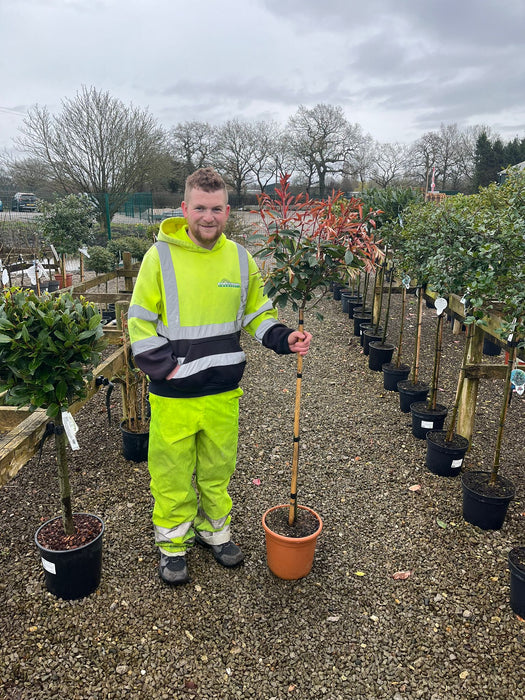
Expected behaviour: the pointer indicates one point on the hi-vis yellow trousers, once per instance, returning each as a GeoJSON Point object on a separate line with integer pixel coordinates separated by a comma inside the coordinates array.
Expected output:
{"type": "Point", "coordinates": [192, 436]}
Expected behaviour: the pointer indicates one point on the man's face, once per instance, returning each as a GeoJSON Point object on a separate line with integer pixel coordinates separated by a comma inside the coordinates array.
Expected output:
{"type": "Point", "coordinates": [206, 214]}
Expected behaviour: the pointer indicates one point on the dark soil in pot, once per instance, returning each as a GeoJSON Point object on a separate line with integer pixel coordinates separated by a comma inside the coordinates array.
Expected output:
{"type": "Point", "coordinates": [52, 535]}
{"type": "Point", "coordinates": [305, 523]}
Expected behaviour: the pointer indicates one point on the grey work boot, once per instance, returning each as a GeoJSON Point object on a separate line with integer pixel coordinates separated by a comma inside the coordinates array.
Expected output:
{"type": "Point", "coordinates": [173, 570]}
{"type": "Point", "coordinates": [227, 554]}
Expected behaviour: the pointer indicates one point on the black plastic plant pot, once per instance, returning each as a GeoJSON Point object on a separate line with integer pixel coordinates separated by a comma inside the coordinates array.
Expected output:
{"type": "Point", "coordinates": [483, 505]}
{"type": "Point", "coordinates": [491, 348]}
{"type": "Point", "coordinates": [337, 291]}
{"type": "Point", "coordinates": [425, 419]}
{"type": "Point", "coordinates": [392, 375]}
{"type": "Point", "coordinates": [134, 445]}
{"type": "Point", "coordinates": [359, 318]}
{"type": "Point", "coordinates": [409, 393]}
{"type": "Point", "coordinates": [71, 574]}
{"type": "Point", "coordinates": [346, 294]}
{"type": "Point", "coordinates": [517, 580]}
{"type": "Point", "coordinates": [368, 334]}
{"type": "Point", "coordinates": [353, 303]}
{"type": "Point", "coordinates": [379, 354]}
{"type": "Point", "coordinates": [445, 458]}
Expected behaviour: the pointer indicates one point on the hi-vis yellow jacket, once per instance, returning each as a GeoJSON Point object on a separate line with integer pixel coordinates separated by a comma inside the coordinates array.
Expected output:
{"type": "Point", "coordinates": [188, 307]}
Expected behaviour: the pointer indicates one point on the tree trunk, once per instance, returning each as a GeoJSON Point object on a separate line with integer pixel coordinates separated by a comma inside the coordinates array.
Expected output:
{"type": "Point", "coordinates": [63, 476]}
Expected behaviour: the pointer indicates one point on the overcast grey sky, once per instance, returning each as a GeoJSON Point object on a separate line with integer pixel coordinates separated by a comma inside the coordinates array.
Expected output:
{"type": "Point", "coordinates": [397, 67]}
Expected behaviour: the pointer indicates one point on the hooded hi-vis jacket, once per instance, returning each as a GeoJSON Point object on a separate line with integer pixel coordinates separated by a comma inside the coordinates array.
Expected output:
{"type": "Point", "coordinates": [188, 307]}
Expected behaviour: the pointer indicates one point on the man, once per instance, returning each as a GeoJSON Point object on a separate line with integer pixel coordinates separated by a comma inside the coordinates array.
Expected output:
{"type": "Point", "coordinates": [194, 293]}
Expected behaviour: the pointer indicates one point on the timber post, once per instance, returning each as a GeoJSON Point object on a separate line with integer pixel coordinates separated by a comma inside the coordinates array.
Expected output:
{"type": "Point", "coordinates": [469, 392]}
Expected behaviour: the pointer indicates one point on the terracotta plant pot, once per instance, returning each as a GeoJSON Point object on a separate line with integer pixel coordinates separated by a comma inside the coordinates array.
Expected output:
{"type": "Point", "coordinates": [69, 280]}
{"type": "Point", "coordinates": [290, 558]}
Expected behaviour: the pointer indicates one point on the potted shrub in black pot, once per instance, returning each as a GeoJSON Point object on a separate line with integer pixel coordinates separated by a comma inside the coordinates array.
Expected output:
{"type": "Point", "coordinates": [134, 425]}
{"type": "Point", "coordinates": [48, 348]}
{"type": "Point", "coordinates": [67, 225]}
{"type": "Point", "coordinates": [306, 245]}
{"type": "Point", "coordinates": [499, 281]}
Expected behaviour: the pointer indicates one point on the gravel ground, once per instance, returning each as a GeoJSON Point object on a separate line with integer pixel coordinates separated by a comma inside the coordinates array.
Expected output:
{"type": "Point", "coordinates": [347, 631]}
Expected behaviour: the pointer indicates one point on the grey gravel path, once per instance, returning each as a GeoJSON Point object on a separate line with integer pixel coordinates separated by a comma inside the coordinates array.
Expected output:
{"type": "Point", "coordinates": [347, 631]}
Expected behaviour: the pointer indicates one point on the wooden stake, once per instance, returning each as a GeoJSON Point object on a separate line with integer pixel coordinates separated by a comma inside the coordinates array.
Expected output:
{"type": "Point", "coordinates": [292, 513]}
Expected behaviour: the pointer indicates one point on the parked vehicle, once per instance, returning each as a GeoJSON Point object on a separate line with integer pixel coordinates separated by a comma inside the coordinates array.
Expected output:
{"type": "Point", "coordinates": [24, 201]}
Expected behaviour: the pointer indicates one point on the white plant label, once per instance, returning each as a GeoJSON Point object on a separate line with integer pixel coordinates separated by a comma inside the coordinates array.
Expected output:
{"type": "Point", "coordinates": [5, 277]}
{"type": "Point", "coordinates": [53, 250]}
{"type": "Point", "coordinates": [84, 251]}
{"type": "Point", "coordinates": [456, 463]}
{"type": "Point", "coordinates": [49, 566]}
{"type": "Point", "coordinates": [71, 429]}
{"type": "Point", "coordinates": [441, 305]}
{"type": "Point", "coordinates": [427, 424]}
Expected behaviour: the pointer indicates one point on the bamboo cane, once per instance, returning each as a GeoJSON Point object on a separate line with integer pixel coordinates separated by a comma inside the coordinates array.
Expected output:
{"type": "Point", "coordinates": [438, 347]}
{"type": "Point", "coordinates": [401, 325]}
{"type": "Point", "coordinates": [503, 414]}
{"type": "Point", "coordinates": [292, 513]}
{"type": "Point", "coordinates": [415, 366]}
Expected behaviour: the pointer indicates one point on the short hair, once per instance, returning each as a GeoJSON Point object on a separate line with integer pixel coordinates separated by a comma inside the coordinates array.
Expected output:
{"type": "Point", "coordinates": [206, 179]}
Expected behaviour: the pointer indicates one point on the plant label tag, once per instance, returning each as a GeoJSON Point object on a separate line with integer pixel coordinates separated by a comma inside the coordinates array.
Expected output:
{"type": "Point", "coordinates": [456, 463]}
{"type": "Point", "coordinates": [53, 250]}
{"type": "Point", "coordinates": [49, 566]}
{"type": "Point", "coordinates": [5, 277]}
{"type": "Point", "coordinates": [71, 429]}
{"type": "Point", "coordinates": [441, 305]}
{"type": "Point", "coordinates": [427, 424]}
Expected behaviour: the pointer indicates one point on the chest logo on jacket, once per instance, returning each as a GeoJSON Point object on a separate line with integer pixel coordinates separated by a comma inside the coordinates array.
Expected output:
{"type": "Point", "coordinates": [227, 283]}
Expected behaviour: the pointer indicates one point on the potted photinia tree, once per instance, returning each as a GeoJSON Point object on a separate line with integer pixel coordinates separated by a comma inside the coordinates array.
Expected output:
{"type": "Point", "coordinates": [305, 245]}
{"type": "Point", "coordinates": [48, 348]}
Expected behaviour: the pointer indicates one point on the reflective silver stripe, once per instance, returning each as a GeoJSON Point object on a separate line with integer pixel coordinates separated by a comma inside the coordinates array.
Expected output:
{"type": "Point", "coordinates": [137, 311]}
{"type": "Point", "coordinates": [224, 360]}
{"type": "Point", "coordinates": [268, 306]}
{"type": "Point", "coordinates": [245, 279]}
{"type": "Point", "coordinates": [151, 343]}
{"type": "Point", "coordinates": [197, 332]}
{"type": "Point", "coordinates": [170, 288]}
{"type": "Point", "coordinates": [174, 331]}
{"type": "Point", "coordinates": [167, 534]}
{"type": "Point", "coordinates": [265, 325]}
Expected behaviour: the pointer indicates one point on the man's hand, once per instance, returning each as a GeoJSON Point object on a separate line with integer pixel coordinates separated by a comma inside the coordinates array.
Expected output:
{"type": "Point", "coordinates": [173, 372]}
{"type": "Point", "coordinates": [299, 342]}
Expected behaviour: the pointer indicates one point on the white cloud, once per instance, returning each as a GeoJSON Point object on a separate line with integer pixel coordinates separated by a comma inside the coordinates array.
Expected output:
{"type": "Point", "coordinates": [399, 69]}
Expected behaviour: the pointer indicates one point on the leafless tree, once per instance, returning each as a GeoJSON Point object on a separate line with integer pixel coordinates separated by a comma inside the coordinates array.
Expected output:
{"type": "Point", "coordinates": [96, 145]}
{"type": "Point", "coordinates": [322, 142]}
{"type": "Point", "coordinates": [193, 143]}
{"type": "Point", "coordinates": [266, 152]}
{"type": "Point", "coordinates": [390, 162]}
{"type": "Point", "coordinates": [235, 152]}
